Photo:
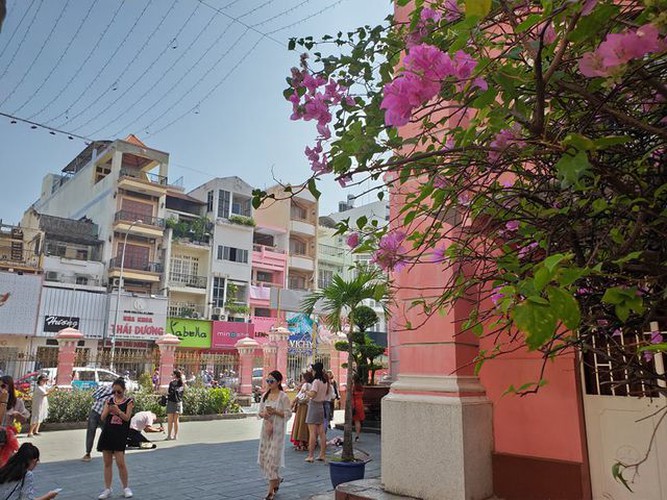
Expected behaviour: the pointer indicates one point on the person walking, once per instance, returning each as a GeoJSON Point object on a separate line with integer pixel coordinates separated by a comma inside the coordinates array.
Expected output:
{"type": "Point", "coordinates": [299, 435]}
{"type": "Point", "coordinates": [116, 416]}
{"type": "Point", "coordinates": [100, 397]}
{"type": "Point", "coordinates": [315, 418]}
{"type": "Point", "coordinates": [335, 397]}
{"type": "Point", "coordinates": [15, 408]}
{"type": "Point", "coordinates": [17, 481]}
{"type": "Point", "coordinates": [174, 404]}
{"type": "Point", "coordinates": [358, 413]}
{"type": "Point", "coordinates": [274, 410]}
{"type": "Point", "coordinates": [40, 404]}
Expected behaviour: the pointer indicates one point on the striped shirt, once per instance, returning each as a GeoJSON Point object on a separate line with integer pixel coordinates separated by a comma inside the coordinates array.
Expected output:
{"type": "Point", "coordinates": [100, 395]}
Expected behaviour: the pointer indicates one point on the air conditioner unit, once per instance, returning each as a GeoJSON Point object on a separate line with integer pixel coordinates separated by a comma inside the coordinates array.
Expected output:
{"type": "Point", "coordinates": [115, 282]}
{"type": "Point", "coordinates": [196, 315]}
{"type": "Point", "coordinates": [217, 311]}
{"type": "Point", "coordinates": [52, 276]}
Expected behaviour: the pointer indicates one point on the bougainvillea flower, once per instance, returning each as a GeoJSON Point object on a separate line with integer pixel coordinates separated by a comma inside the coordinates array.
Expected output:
{"type": "Point", "coordinates": [352, 240]}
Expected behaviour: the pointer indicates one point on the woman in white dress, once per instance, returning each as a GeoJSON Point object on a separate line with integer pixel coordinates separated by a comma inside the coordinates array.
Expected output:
{"type": "Point", "coordinates": [275, 411]}
{"type": "Point", "coordinates": [40, 404]}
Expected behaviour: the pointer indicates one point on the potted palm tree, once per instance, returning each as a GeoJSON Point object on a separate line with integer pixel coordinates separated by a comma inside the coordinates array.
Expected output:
{"type": "Point", "coordinates": [339, 302]}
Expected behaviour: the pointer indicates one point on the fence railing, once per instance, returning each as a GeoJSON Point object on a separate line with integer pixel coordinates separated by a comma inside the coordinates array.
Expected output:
{"type": "Point", "coordinates": [144, 176]}
{"type": "Point", "coordinates": [191, 280]}
{"type": "Point", "coordinates": [136, 264]}
{"type": "Point", "coordinates": [127, 216]}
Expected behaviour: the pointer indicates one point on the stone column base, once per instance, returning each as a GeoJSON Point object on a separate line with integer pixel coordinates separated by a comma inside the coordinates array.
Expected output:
{"type": "Point", "coordinates": [437, 447]}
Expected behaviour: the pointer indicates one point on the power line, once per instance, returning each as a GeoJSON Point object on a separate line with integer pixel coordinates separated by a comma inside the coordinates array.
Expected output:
{"type": "Point", "coordinates": [53, 130]}
{"type": "Point", "coordinates": [260, 6]}
{"type": "Point", "coordinates": [16, 29]}
{"type": "Point", "coordinates": [22, 39]}
{"type": "Point", "coordinates": [201, 79]}
{"type": "Point", "coordinates": [187, 73]}
{"type": "Point", "coordinates": [237, 20]}
{"type": "Point", "coordinates": [141, 76]}
{"type": "Point", "coordinates": [108, 61]}
{"type": "Point", "coordinates": [122, 72]}
{"type": "Point", "coordinates": [210, 92]}
{"type": "Point", "coordinates": [62, 56]}
{"type": "Point", "coordinates": [321, 11]}
{"type": "Point", "coordinates": [78, 70]}
{"type": "Point", "coordinates": [285, 12]}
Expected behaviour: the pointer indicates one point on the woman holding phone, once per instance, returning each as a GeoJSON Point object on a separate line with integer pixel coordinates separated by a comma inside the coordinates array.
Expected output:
{"type": "Point", "coordinates": [116, 416]}
{"type": "Point", "coordinates": [17, 481]}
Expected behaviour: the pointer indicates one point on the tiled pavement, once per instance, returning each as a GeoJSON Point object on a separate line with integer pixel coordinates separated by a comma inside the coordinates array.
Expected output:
{"type": "Point", "coordinates": [211, 460]}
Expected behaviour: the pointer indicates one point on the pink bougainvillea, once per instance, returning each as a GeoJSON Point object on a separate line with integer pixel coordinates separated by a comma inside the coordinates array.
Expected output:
{"type": "Point", "coordinates": [353, 240]}
{"type": "Point", "coordinates": [390, 255]}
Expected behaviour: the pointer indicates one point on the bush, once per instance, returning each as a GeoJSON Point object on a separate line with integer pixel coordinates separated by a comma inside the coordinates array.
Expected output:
{"type": "Point", "coordinates": [69, 406]}
{"type": "Point", "coordinates": [145, 382]}
{"type": "Point", "coordinates": [148, 401]}
{"type": "Point", "coordinates": [199, 401]}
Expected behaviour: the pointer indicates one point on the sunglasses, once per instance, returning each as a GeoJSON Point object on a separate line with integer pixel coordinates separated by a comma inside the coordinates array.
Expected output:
{"type": "Point", "coordinates": [270, 380]}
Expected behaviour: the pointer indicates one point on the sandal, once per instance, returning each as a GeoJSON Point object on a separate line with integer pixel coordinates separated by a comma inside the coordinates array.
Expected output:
{"type": "Point", "coordinates": [310, 459]}
{"type": "Point", "coordinates": [275, 490]}
{"type": "Point", "coordinates": [270, 496]}
{"type": "Point", "coordinates": [321, 459]}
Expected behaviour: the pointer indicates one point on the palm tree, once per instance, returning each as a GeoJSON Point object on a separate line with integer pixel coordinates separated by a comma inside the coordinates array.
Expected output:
{"type": "Point", "coordinates": [340, 299]}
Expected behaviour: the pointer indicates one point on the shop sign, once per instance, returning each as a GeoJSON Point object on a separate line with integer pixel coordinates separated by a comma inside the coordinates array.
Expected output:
{"type": "Point", "coordinates": [139, 318]}
{"type": "Point", "coordinates": [19, 302]}
{"type": "Point", "coordinates": [192, 332]}
{"type": "Point", "coordinates": [54, 323]}
{"type": "Point", "coordinates": [228, 333]}
{"type": "Point", "coordinates": [301, 334]}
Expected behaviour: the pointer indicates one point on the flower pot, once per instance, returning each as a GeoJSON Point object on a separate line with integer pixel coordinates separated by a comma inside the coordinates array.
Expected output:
{"type": "Point", "coordinates": [344, 472]}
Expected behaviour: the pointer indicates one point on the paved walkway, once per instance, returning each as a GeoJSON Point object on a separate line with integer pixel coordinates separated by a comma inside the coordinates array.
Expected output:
{"type": "Point", "coordinates": [211, 460]}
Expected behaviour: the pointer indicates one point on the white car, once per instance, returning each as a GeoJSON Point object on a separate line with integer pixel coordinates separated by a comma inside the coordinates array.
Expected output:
{"type": "Point", "coordinates": [91, 378]}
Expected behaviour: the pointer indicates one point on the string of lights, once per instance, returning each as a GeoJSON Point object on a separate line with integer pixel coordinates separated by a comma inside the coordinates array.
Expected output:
{"type": "Point", "coordinates": [133, 104]}
{"type": "Point", "coordinates": [137, 54]}
{"type": "Point", "coordinates": [16, 29]}
{"type": "Point", "coordinates": [283, 13]}
{"type": "Point", "coordinates": [18, 47]}
{"type": "Point", "coordinates": [235, 19]}
{"type": "Point", "coordinates": [140, 78]}
{"type": "Point", "coordinates": [321, 11]}
{"type": "Point", "coordinates": [211, 91]}
{"type": "Point", "coordinates": [52, 130]}
{"type": "Point", "coordinates": [77, 72]}
{"type": "Point", "coordinates": [78, 99]}
{"type": "Point", "coordinates": [260, 6]}
{"type": "Point", "coordinates": [57, 63]}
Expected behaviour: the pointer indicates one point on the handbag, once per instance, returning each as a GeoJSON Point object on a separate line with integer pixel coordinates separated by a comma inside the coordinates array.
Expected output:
{"type": "Point", "coordinates": [163, 400]}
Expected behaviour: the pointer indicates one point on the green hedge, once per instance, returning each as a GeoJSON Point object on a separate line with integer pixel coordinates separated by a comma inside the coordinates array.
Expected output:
{"type": "Point", "coordinates": [74, 406]}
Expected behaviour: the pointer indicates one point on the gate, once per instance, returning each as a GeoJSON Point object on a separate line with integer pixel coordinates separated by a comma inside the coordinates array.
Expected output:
{"type": "Point", "coordinates": [299, 361]}
{"type": "Point", "coordinates": [620, 422]}
{"type": "Point", "coordinates": [222, 367]}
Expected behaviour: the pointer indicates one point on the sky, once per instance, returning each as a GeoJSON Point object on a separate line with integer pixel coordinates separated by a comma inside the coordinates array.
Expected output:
{"type": "Point", "coordinates": [199, 79]}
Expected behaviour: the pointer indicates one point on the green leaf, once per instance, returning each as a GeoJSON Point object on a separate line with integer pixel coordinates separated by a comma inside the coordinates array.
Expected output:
{"type": "Point", "coordinates": [579, 142]}
{"type": "Point", "coordinates": [612, 140]}
{"type": "Point", "coordinates": [572, 168]}
{"type": "Point", "coordinates": [291, 45]}
{"type": "Point", "coordinates": [537, 321]}
{"type": "Point", "coordinates": [617, 474]}
{"type": "Point", "coordinates": [362, 221]}
{"type": "Point", "coordinates": [529, 22]}
{"type": "Point", "coordinates": [477, 8]}
{"type": "Point", "coordinates": [542, 278]}
{"type": "Point", "coordinates": [553, 260]}
{"type": "Point", "coordinates": [565, 306]}
{"type": "Point", "coordinates": [312, 187]}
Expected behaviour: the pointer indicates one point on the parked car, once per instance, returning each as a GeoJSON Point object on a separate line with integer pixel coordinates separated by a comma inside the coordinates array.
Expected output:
{"type": "Point", "coordinates": [258, 377]}
{"type": "Point", "coordinates": [91, 378]}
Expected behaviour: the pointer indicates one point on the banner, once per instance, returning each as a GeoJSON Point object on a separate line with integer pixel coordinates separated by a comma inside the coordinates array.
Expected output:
{"type": "Point", "coordinates": [227, 333]}
{"type": "Point", "coordinates": [192, 332]}
{"type": "Point", "coordinates": [301, 336]}
{"type": "Point", "coordinates": [54, 323]}
{"type": "Point", "coordinates": [139, 318]}
{"type": "Point", "coordinates": [19, 302]}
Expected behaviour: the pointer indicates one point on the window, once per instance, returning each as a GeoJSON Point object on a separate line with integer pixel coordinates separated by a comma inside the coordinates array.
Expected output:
{"type": "Point", "coordinates": [82, 254]}
{"type": "Point", "coordinates": [232, 254]}
{"type": "Point", "coordinates": [209, 201]}
{"type": "Point", "coordinates": [241, 206]}
{"type": "Point", "coordinates": [223, 204]}
{"type": "Point", "coordinates": [297, 283]}
{"type": "Point", "coordinates": [105, 376]}
{"type": "Point", "coordinates": [81, 280]}
{"type": "Point", "coordinates": [264, 277]}
{"type": "Point", "coordinates": [297, 247]}
{"type": "Point", "coordinates": [325, 277]}
{"type": "Point", "coordinates": [184, 267]}
{"type": "Point", "coordinates": [262, 312]}
{"type": "Point", "coordinates": [85, 375]}
{"type": "Point", "coordinates": [298, 212]}
{"type": "Point", "coordinates": [218, 292]}
{"type": "Point", "coordinates": [136, 257]}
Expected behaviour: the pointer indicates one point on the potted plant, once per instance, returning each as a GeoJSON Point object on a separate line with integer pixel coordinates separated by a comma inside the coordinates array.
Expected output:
{"type": "Point", "coordinates": [340, 302]}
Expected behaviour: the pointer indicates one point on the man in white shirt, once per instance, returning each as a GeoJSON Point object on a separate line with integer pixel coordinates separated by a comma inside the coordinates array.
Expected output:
{"type": "Point", "coordinates": [142, 421]}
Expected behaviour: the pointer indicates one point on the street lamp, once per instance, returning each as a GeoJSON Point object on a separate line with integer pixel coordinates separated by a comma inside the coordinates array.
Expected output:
{"type": "Point", "coordinates": [120, 286]}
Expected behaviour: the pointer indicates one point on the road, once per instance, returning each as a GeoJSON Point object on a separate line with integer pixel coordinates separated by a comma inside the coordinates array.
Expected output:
{"type": "Point", "coordinates": [210, 460]}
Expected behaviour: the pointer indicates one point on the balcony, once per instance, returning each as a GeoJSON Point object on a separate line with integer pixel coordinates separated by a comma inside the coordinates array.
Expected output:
{"type": "Point", "coordinates": [268, 258]}
{"type": "Point", "coordinates": [150, 227]}
{"type": "Point", "coordinates": [14, 256]}
{"type": "Point", "coordinates": [135, 264]}
{"type": "Point", "coordinates": [302, 262]}
{"type": "Point", "coordinates": [186, 310]}
{"type": "Point", "coordinates": [263, 325]}
{"type": "Point", "coordinates": [127, 216]}
{"type": "Point", "coordinates": [142, 182]}
{"type": "Point", "coordinates": [303, 227]}
{"type": "Point", "coordinates": [187, 281]}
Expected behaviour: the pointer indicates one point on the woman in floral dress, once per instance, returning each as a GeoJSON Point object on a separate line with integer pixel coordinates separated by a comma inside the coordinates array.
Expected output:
{"type": "Point", "coordinates": [275, 411]}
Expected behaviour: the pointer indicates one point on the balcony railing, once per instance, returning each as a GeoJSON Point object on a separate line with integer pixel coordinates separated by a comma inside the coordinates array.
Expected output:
{"type": "Point", "coordinates": [189, 280]}
{"type": "Point", "coordinates": [17, 256]}
{"type": "Point", "coordinates": [144, 176]}
{"type": "Point", "coordinates": [331, 250]}
{"type": "Point", "coordinates": [186, 310]}
{"type": "Point", "coordinates": [136, 264]}
{"type": "Point", "coordinates": [127, 216]}
{"type": "Point", "coordinates": [264, 248]}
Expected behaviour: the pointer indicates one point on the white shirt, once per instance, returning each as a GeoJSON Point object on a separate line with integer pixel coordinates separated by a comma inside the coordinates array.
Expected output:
{"type": "Point", "coordinates": [141, 420]}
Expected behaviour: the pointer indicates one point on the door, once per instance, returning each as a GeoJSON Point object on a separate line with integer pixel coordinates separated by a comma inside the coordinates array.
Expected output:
{"type": "Point", "coordinates": [619, 427]}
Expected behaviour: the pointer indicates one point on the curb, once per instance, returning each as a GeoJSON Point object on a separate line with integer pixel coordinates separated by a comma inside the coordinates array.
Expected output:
{"type": "Point", "coordinates": [66, 426]}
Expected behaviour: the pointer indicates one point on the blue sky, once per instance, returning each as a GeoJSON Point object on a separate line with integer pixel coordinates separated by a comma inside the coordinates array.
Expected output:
{"type": "Point", "coordinates": [182, 77]}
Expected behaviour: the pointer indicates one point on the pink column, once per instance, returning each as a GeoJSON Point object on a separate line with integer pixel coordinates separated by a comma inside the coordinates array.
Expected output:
{"type": "Point", "coordinates": [280, 337]}
{"type": "Point", "coordinates": [246, 347]}
{"type": "Point", "coordinates": [270, 351]}
{"type": "Point", "coordinates": [67, 340]}
{"type": "Point", "coordinates": [167, 345]}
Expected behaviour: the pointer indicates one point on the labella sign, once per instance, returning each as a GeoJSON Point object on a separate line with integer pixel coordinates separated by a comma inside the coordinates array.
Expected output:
{"type": "Point", "coordinates": [192, 332]}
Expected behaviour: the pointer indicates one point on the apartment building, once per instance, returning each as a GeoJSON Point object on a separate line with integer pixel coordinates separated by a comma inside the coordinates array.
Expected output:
{"type": "Point", "coordinates": [228, 205]}
{"type": "Point", "coordinates": [121, 186]}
